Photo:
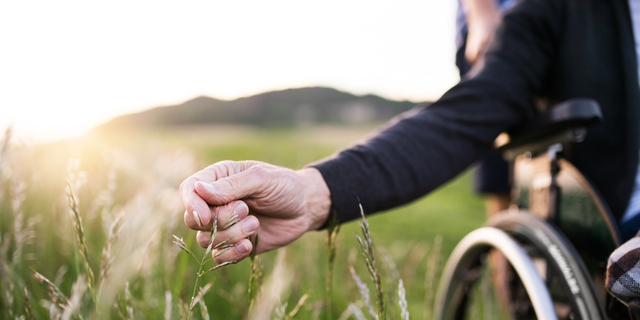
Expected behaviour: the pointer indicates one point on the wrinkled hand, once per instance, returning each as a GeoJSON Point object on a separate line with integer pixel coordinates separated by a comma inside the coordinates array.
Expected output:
{"type": "Point", "coordinates": [248, 196]}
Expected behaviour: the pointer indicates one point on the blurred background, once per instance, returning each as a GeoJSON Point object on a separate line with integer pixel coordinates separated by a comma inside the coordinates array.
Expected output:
{"type": "Point", "coordinates": [67, 66]}
{"type": "Point", "coordinates": [126, 99]}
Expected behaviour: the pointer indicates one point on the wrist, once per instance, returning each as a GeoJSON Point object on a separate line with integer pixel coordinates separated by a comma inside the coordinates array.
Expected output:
{"type": "Point", "coordinates": [317, 197]}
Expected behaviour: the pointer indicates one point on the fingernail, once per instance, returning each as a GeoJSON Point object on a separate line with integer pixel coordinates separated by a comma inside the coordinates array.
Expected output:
{"type": "Point", "coordinates": [197, 218]}
{"type": "Point", "coordinates": [250, 225]}
{"type": "Point", "coordinates": [242, 248]}
{"type": "Point", "coordinates": [241, 210]}
{"type": "Point", "coordinates": [210, 187]}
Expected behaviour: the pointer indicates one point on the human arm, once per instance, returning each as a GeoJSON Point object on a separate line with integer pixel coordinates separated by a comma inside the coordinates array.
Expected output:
{"type": "Point", "coordinates": [417, 153]}
{"type": "Point", "coordinates": [483, 17]}
{"type": "Point", "coordinates": [410, 157]}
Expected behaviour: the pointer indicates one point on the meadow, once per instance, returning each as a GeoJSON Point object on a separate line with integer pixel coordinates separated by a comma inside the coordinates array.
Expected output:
{"type": "Point", "coordinates": [125, 184]}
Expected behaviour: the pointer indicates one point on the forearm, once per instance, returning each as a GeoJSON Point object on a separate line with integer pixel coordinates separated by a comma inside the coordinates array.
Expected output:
{"type": "Point", "coordinates": [417, 154]}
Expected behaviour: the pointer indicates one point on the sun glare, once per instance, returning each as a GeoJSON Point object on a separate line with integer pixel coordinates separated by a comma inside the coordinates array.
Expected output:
{"type": "Point", "coordinates": [71, 65]}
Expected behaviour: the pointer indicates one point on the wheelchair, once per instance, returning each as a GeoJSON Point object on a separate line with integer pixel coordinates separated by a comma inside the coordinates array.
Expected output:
{"type": "Point", "coordinates": [554, 241]}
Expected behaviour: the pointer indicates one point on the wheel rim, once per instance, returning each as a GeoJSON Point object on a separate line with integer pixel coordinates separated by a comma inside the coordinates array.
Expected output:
{"type": "Point", "coordinates": [467, 253]}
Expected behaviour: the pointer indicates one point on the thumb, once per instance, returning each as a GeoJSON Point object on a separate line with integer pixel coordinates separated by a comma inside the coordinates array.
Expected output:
{"type": "Point", "coordinates": [236, 187]}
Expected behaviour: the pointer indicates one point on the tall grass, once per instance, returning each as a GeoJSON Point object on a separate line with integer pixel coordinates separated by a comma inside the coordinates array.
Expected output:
{"type": "Point", "coordinates": [333, 229]}
{"type": "Point", "coordinates": [99, 241]}
{"type": "Point", "coordinates": [368, 252]}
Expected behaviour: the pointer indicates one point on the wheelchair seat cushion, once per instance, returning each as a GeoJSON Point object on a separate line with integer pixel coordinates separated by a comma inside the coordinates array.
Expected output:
{"type": "Point", "coordinates": [623, 272]}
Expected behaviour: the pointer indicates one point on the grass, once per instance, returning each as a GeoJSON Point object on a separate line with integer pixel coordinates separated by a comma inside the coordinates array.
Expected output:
{"type": "Point", "coordinates": [128, 208]}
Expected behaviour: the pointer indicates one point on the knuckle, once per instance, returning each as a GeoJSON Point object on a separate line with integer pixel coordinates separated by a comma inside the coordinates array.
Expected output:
{"type": "Point", "coordinates": [231, 184]}
{"type": "Point", "coordinates": [221, 168]}
{"type": "Point", "coordinates": [258, 171]}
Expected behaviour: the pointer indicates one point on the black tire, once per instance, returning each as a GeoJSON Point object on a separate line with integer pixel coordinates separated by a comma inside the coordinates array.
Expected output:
{"type": "Point", "coordinates": [564, 287]}
{"type": "Point", "coordinates": [458, 298]}
{"type": "Point", "coordinates": [565, 271]}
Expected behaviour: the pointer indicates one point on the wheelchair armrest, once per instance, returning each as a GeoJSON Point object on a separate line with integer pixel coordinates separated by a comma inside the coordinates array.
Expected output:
{"type": "Point", "coordinates": [564, 122]}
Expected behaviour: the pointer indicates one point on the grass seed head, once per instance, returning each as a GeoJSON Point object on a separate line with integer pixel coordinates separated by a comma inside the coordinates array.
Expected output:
{"type": "Point", "coordinates": [402, 301]}
{"type": "Point", "coordinates": [180, 243]}
{"type": "Point", "coordinates": [55, 294]}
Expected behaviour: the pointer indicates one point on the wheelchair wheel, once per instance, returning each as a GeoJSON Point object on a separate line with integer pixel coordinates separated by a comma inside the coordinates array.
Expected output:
{"type": "Point", "coordinates": [573, 292]}
{"type": "Point", "coordinates": [543, 278]}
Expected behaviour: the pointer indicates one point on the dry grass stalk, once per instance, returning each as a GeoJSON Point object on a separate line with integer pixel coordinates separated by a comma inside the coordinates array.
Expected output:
{"type": "Point", "coordinates": [107, 258]}
{"type": "Point", "coordinates": [82, 245]}
{"type": "Point", "coordinates": [21, 235]}
{"type": "Point", "coordinates": [332, 234]}
{"type": "Point", "coordinates": [78, 289]}
{"type": "Point", "coordinates": [183, 246]}
{"type": "Point", "coordinates": [128, 302]}
{"type": "Point", "coordinates": [205, 258]}
{"type": "Point", "coordinates": [281, 312]}
{"type": "Point", "coordinates": [9, 294]}
{"type": "Point", "coordinates": [274, 287]}
{"type": "Point", "coordinates": [486, 297]}
{"type": "Point", "coordinates": [364, 293]}
{"type": "Point", "coordinates": [402, 301]}
{"type": "Point", "coordinates": [4, 150]}
{"type": "Point", "coordinates": [183, 307]}
{"type": "Point", "coordinates": [357, 313]}
{"type": "Point", "coordinates": [231, 221]}
{"type": "Point", "coordinates": [431, 277]}
{"type": "Point", "coordinates": [392, 276]}
{"type": "Point", "coordinates": [55, 294]}
{"type": "Point", "coordinates": [299, 305]}
{"type": "Point", "coordinates": [352, 310]}
{"type": "Point", "coordinates": [369, 256]}
{"type": "Point", "coordinates": [27, 304]}
{"type": "Point", "coordinates": [52, 308]}
{"type": "Point", "coordinates": [255, 278]}
{"type": "Point", "coordinates": [168, 297]}
{"type": "Point", "coordinates": [5, 141]}
{"type": "Point", "coordinates": [204, 312]}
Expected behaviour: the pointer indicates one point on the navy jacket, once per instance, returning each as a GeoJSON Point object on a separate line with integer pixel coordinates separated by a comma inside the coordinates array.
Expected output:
{"type": "Point", "coordinates": [545, 52]}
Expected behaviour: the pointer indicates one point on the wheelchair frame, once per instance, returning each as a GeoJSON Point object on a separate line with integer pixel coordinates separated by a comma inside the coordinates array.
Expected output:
{"type": "Point", "coordinates": [527, 238]}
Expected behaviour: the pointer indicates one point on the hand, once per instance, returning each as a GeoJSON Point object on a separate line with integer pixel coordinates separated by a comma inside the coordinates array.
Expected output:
{"type": "Point", "coordinates": [483, 18]}
{"type": "Point", "coordinates": [248, 196]}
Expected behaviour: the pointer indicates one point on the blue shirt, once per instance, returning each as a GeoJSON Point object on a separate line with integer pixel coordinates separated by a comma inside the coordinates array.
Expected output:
{"type": "Point", "coordinates": [634, 204]}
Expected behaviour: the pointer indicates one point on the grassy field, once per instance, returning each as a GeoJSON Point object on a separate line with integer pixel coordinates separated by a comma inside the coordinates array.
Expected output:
{"type": "Point", "coordinates": [126, 183]}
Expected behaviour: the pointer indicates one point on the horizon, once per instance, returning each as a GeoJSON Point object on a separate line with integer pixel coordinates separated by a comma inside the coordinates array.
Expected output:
{"type": "Point", "coordinates": [75, 65]}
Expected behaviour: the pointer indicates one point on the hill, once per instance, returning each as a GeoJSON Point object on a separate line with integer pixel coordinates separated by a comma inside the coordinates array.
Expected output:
{"type": "Point", "coordinates": [289, 107]}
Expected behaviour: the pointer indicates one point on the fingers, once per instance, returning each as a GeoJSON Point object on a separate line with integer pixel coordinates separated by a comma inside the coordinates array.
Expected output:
{"type": "Point", "coordinates": [228, 215]}
{"type": "Point", "coordinates": [239, 251]}
{"type": "Point", "coordinates": [250, 182]}
{"type": "Point", "coordinates": [194, 204]}
{"type": "Point", "coordinates": [231, 235]}
{"type": "Point", "coordinates": [231, 245]}
{"type": "Point", "coordinates": [196, 208]}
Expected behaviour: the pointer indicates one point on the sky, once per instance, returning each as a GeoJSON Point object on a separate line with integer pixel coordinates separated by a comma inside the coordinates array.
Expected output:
{"type": "Point", "coordinates": [67, 66]}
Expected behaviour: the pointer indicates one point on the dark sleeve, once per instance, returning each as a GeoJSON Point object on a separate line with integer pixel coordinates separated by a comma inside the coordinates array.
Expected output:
{"type": "Point", "coordinates": [419, 151]}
